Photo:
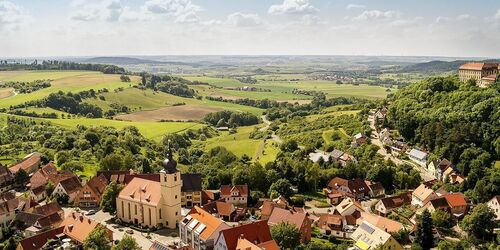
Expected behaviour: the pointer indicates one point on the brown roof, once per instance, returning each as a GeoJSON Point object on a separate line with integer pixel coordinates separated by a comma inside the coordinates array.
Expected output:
{"type": "Point", "coordinates": [28, 162]}
{"type": "Point", "coordinates": [207, 196]}
{"type": "Point", "coordinates": [142, 191]}
{"type": "Point", "coordinates": [49, 220]}
{"type": "Point", "coordinates": [36, 242]}
{"type": "Point", "coordinates": [227, 189]}
{"type": "Point", "coordinates": [5, 175]}
{"type": "Point", "coordinates": [24, 219]}
{"type": "Point", "coordinates": [396, 201]}
{"type": "Point", "coordinates": [220, 207]}
{"type": "Point", "coordinates": [255, 232]}
{"type": "Point", "coordinates": [337, 181]}
{"type": "Point", "coordinates": [283, 215]}
{"type": "Point", "coordinates": [78, 227]}
{"type": "Point", "coordinates": [268, 206]}
{"type": "Point", "coordinates": [456, 199]}
{"type": "Point", "coordinates": [374, 185]}
{"type": "Point", "coordinates": [98, 184]}
{"type": "Point", "coordinates": [269, 245]}
{"type": "Point", "coordinates": [478, 66]}
{"type": "Point", "coordinates": [327, 219]}
{"type": "Point", "coordinates": [439, 203]}
{"type": "Point", "coordinates": [71, 185]}
{"type": "Point", "coordinates": [47, 209]}
{"type": "Point", "coordinates": [151, 177]}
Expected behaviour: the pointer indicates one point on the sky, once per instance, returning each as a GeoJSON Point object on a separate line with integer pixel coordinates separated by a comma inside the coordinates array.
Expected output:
{"type": "Point", "coordinates": [457, 28]}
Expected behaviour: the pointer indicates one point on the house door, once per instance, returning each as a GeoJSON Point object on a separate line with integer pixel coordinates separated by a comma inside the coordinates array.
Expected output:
{"type": "Point", "coordinates": [136, 221]}
{"type": "Point", "coordinates": [189, 204]}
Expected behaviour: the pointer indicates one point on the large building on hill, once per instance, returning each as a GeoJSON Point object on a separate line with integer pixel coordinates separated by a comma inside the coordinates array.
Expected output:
{"type": "Point", "coordinates": [483, 73]}
{"type": "Point", "coordinates": [151, 203]}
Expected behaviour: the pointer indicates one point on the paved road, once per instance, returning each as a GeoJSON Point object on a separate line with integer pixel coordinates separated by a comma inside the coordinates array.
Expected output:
{"type": "Point", "coordinates": [118, 230]}
{"type": "Point", "coordinates": [375, 139]}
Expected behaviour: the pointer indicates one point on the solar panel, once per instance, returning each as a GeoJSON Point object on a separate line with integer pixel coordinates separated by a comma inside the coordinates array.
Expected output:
{"type": "Point", "coordinates": [367, 228]}
{"type": "Point", "coordinates": [200, 229]}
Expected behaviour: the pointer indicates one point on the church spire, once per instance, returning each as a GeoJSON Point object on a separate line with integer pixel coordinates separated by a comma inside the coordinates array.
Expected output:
{"type": "Point", "coordinates": [169, 164]}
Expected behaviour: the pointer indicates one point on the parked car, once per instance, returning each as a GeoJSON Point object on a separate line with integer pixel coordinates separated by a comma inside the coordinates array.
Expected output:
{"type": "Point", "coordinates": [91, 212]}
{"type": "Point", "coordinates": [129, 231]}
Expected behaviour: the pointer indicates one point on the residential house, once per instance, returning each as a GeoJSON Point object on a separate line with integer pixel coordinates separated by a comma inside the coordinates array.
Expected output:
{"type": "Point", "coordinates": [29, 164]}
{"type": "Point", "coordinates": [334, 196]}
{"type": "Point", "coordinates": [385, 137]}
{"type": "Point", "coordinates": [385, 205]}
{"type": "Point", "coordinates": [41, 176]}
{"type": "Point", "coordinates": [336, 225]}
{"type": "Point", "coordinates": [300, 220]}
{"type": "Point", "coordinates": [237, 194]}
{"type": "Point", "coordinates": [494, 204]}
{"type": "Point", "coordinates": [200, 229]}
{"type": "Point", "coordinates": [380, 115]}
{"type": "Point", "coordinates": [39, 218]}
{"type": "Point", "coordinates": [91, 193]}
{"type": "Point", "coordinates": [356, 188]}
{"type": "Point", "coordinates": [384, 223]}
{"type": "Point", "coordinates": [6, 179]}
{"type": "Point", "coordinates": [454, 203]}
{"type": "Point", "coordinates": [399, 147]}
{"type": "Point", "coordinates": [226, 211]}
{"type": "Point", "coordinates": [244, 244]}
{"type": "Point", "coordinates": [38, 193]}
{"type": "Point", "coordinates": [359, 139]}
{"type": "Point", "coordinates": [71, 233]}
{"type": "Point", "coordinates": [368, 236]}
{"type": "Point", "coordinates": [348, 206]}
{"type": "Point", "coordinates": [10, 205]}
{"type": "Point", "coordinates": [267, 208]}
{"type": "Point", "coordinates": [437, 168]}
{"type": "Point", "coordinates": [191, 190]}
{"type": "Point", "coordinates": [423, 194]}
{"type": "Point", "coordinates": [418, 156]}
{"type": "Point", "coordinates": [68, 187]}
{"type": "Point", "coordinates": [256, 233]}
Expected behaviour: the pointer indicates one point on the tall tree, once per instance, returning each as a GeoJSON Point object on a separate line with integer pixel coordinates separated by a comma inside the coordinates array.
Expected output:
{"type": "Point", "coordinates": [286, 235]}
{"type": "Point", "coordinates": [424, 237]}
{"type": "Point", "coordinates": [480, 223]}
{"type": "Point", "coordinates": [127, 243]}
{"type": "Point", "coordinates": [108, 201]}
{"type": "Point", "coordinates": [97, 240]}
{"type": "Point", "coordinates": [21, 177]}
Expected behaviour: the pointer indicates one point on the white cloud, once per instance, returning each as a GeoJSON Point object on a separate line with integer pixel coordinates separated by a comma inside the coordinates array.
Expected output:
{"type": "Point", "coordinates": [110, 10]}
{"type": "Point", "coordinates": [377, 14]}
{"type": "Point", "coordinates": [355, 6]}
{"type": "Point", "coordinates": [442, 19]}
{"type": "Point", "coordinates": [292, 7]}
{"type": "Point", "coordinates": [239, 19]}
{"type": "Point", "coordinates": [497, 16]}
{"type": "Point", "coordinates": [464, 17]}
{"type": "Point", "coordinates": [11, 15]}
{"type": "Point", "coordinates": [184, 11]}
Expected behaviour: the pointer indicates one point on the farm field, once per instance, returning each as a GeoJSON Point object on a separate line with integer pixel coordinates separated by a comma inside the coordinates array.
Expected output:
{"type": "Point", "coordinates": [281, 87]}
{"type": "Point", "coordinates": [238, 143]}
{"type": "Point", "coordinates": [6, 92]}
{"type": "Point", "coordinates": [151, 130]}
{"type": "Point", "coordinates": [73, 81]}
{"type": "Point", "coordinates": [175, 113]}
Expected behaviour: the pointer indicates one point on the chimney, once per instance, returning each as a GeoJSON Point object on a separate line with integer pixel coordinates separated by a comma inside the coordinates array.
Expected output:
{"type": "Point", "coordinates": [242, 236]}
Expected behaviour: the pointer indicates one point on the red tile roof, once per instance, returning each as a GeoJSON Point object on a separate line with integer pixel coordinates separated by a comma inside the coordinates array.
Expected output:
{"type": "Point", "coordinates": [36, 242]}
{"type": "Point", "coordinates": [27, 163]}
{"type": "Point", "coordinates": [478, 66]}
{"type": "Point", "coordinates": [48, 209]}
{"type": "Point", "coordinates": [255, 232]}
{"type": "Point", "coordinates": [226, 190]}
{"type": "Point", "coordinates": [282, 215]}
{"type": "Point", "coordinates": [78, 227]}
{"type": "Point", "coordinates": [456, 199]}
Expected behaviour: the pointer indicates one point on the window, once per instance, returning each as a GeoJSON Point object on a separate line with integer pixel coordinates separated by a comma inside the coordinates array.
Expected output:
{"type": "Point", "coordinates": [165, 178]}
{"type": "Point", "coordinates": [123, 211]}
{"type": "Point", "coordinates": [135, 209]}
{"type": "Point", "coordinates": [150, 216]}
{"type": "Point", "coordinates": [129, 217]}
{"type": "Point", "coordinates": [175, 178]}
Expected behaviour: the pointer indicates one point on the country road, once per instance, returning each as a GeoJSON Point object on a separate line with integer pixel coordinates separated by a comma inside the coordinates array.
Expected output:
{"type": "Point", "coordinates": [375, 139]}
{"type": "Point", "coordinates": [267, 123]}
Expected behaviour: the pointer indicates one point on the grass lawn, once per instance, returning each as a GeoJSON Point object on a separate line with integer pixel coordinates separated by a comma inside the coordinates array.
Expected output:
{"type": "Point", "coordinates": [335, 113]}
{"type": "Point", "coordinates": [74, 81]}
{"type": "Point", "coordinates": [151, 130]}
{"type": "Point", "coordinates": [271, 150]}
{"type": "Point", "coordinates": [238, 143]}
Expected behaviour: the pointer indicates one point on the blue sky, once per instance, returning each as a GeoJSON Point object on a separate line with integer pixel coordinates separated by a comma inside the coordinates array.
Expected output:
{"type": "Point", "coordinates": [329, 27]}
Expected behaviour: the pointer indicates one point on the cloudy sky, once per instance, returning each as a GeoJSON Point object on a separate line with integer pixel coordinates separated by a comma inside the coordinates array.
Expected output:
{"type": "Point", "coordinates": [249, 27]}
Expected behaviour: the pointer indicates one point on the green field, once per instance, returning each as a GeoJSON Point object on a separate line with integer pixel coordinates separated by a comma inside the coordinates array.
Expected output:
{"type": "Point", "coordinates": [281, 87]}
{"type": "Point", "coordinates": [151, 130]}
{"type": "Point", "coordinates": [271, 150]}
{"type": "Point", "coordinates": [74, 81]}
{"type": "Point", "coordinates": [238, 143]}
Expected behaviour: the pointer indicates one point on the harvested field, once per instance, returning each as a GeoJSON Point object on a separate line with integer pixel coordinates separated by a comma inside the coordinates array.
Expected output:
{"type": "Point", "coordinates": [4, 93]}
{"type": "Point", "coordinates": [173, 113]}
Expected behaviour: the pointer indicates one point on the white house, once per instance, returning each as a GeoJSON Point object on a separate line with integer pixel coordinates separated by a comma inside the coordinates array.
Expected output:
{"type": "Point", "coordinates": [419, 157]}
{"type": "Point", "coordinates": [494, 204]}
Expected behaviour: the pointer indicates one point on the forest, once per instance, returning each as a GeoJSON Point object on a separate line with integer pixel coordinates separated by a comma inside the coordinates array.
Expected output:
{"type": "Point", "coordinates": [457, 121]}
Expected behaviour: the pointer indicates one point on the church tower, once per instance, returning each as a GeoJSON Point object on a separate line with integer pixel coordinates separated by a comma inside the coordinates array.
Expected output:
{"type": "Point", "coordinates": [170, 181]}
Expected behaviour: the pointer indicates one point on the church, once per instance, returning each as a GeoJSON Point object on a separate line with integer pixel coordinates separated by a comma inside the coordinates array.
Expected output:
{"type": "Point", "coordinates": [150, 203]}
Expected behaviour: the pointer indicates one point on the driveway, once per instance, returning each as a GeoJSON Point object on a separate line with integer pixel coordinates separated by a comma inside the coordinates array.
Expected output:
{"type": "Point", "coordinates": [162, 235]}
